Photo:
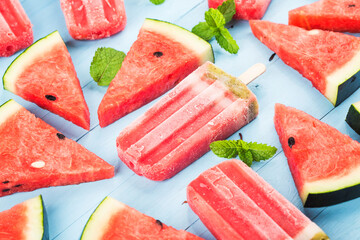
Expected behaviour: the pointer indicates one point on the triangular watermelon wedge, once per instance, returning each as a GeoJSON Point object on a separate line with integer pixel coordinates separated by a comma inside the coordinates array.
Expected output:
{"type": "Point", "coordinates": [330, 60]}
{"type": "Point", "coordinates": [24, 221]}
{"type": "Point", "coordinates": [44, 74]}
{"type": "Point", "coordinates": [324, 163]}
{"type": "Point", "coordinates": [114, 220]}
{"type": "Point", "coordinates": [333, 15]}
{"type": "Point", "coordinates": [162, 56]}
{"type": "Point", "coordinates": [34, 155]}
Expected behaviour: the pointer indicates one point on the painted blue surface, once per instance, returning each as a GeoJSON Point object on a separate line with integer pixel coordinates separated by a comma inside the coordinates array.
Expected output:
{"type": "Point", "coordinates": [69, 207]}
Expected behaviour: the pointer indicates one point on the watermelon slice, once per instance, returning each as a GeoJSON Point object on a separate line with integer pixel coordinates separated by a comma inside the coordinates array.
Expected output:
{"type": "Point", "coordinates": [333, 15]}
{"type": "Point", "coordinates": [331, 61]}
{"type": "Point", "coordinates": [353, 117]}
{"type": "Point", "coordinates": [44, 74]}
{"type": "Point", "coordinates": [245, 9]}
{"type": "Point", "coordinates": [115, 220]}
{"type": "Point", "coordinates": [236, 203]}
{"type": "Point", "coordinates": [94, 19]}
{"type": "Point", "coordinates": [163, 55]}
{"type": "Point", "coordinates": [15, 28]}
{"type": "Point", "coordinates": [24, 221]}
{"type": "Point", "coordinates": [34, 155]}
{"type": "Point", "coordinates": [324, 163]}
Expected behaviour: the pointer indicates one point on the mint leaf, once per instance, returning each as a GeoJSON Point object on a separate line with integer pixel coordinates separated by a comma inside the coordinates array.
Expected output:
{"type": "Point", "coordinates": [226, 41]}
{"type": "Point", "coordinates": [204, 31]}
{"type": "Point", "coordinates": [157, 2]}
{"type": "Point", "coordinates": [105, 65]}
{"type": "Point", "coordinates": [214, 18]}
{"type": "Point", "coordinates": [225, 148]}
{"type": "Point", "coordinates": [248, 152]}
{"type": "Point", "coordinates": [261, 151]}
{"type": "Point", "coordinates": [228, 10]}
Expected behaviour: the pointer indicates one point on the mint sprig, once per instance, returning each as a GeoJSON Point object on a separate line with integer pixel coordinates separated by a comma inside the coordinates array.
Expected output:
{"type": "Point", "coordinates": [105, 65]}
{"type": "Point", "coordinates": [215, 26]}
{"type": "Point", "coordinates": [157, 2]}
{"type": "Point", "coordinates": [248, 152]}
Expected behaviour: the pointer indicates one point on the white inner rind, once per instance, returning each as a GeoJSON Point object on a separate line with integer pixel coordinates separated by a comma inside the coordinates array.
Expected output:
{"type": "Point", "coordinates": [99, 220]}
{"type": "Point", "coordinates": [191, 41]}
{"type": "Point", "coordinates": [9, 109]}
{"type": "Point", "coordinates": [331, 185]}
{"type": "Point", "coordinates": [334, 80]}
{"type": "Point", "coordinates": [309, 232]}
{"type": "Point", "coordinates": [35, 214]}
{"type": "Point", "coordinates": [23, 61]}
{"type": "Point", "coordinates": [357, 106]}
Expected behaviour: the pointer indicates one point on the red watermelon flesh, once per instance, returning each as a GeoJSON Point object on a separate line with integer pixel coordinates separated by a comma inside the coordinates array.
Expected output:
{"type": "Point", "coordinates": [34, 155]}
{"type": "Point", "coordinates": [162, 56]}
{"type": "Point", "coordinates": [322, 160]}
{"type": "Point", "coordinates": [236, 203]}
{"type": "Point", "coordinates": [327, 59]}
{"type": "Point", "coordinates": [24, 221]}
{"type": "Point", "coordinates": [94, 19]}
{"type": "Point", "coordinates": [15, 28]}
{"type": "Point", "coordinates": [333, 15]}
{"type": "Point", "coordinates": [47, 77]}
{"type": "Point", "coordinates": [113, 220]}
{"type": "Point", "coordinates": [245, 9]}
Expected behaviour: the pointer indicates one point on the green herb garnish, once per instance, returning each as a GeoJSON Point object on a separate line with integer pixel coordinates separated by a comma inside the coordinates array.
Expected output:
{"type": "Point", "coordinates": [105, 65]}
{"type": "Point", "coordinates": [248, 152]}
{"type": "Point", "coordinates": [214, 26]}
{"type": "Point", "coordinates": [157, 2]}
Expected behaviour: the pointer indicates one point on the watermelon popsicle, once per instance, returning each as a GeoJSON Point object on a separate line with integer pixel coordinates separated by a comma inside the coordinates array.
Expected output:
{"type": "Point", "coordinates": [236, 203]}
{"type": "Point", "coordinates": [15, 28]}
{"type": "Point", "coordinates": [94, 19]}
{"type": "Point", "coordinates": [206, 106]}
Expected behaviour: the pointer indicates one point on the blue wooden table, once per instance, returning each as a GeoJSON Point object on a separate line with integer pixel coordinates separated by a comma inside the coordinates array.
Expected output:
{"type": "Point", "coordinates": [69, 207]}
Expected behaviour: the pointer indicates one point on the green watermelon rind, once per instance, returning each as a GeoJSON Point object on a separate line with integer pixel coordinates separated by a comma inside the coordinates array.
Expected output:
{"type": "Point", "coordinates": [17, 65]}
{"type": "Point", "coordinates": [98, 220]}
{"type": "Point", "coordinates": [353, 117]}
{"type": "Point", "coordinates": [8, 109]}
{"type": "Point", "coordinates": [191, 41]}
{"type": "Point", "coordinates": [36, 211]}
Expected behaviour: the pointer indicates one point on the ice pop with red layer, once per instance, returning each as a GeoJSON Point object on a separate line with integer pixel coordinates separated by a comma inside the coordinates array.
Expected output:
{"type": "Point", "coordinates": [234, 202]}
{"type": "Point", "coordinates": [94, 19]}
{"type": "Point", "coordinates": [206, 106]}
{"type": "Point", "coordinates": [15, 28]}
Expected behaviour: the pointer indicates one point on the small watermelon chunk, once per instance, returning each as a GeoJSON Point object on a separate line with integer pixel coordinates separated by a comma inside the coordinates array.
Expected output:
{"type": "Point", "coordinates": [94, 19]}
{"type": "Point", "coordinates": [115, 220]}
{"type": "Point", "coordinates": [353, 117]}
{"type": "Point", "coordinates": [24, 221]}
{"type": "Point", "coordinates": [332, 15]}
{"type": "Point", "coordinates": [324, 163]}
{"type": "Point", "coordinates": [45, 75]}
{"type": "Point", "coordinates": [245, 9]}
{"type": "Point", "coordinates": [330, 60]}
{"type": "Point", "coordinates": [34, 155]}
{"type": "Point", "coordinates": [163, 55]}
{"type": "Point", "coordinates": [15, 28]}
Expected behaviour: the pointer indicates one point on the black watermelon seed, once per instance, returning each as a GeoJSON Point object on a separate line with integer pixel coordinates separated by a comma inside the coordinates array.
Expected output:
{"type": "Point", "coordinates": [158, 222]}
{"type": "Point", "coordinates": [60, 136]}
{"type": "Point", "coordinates": [6, 190]}
{"type": "Point", "coordinates": [19, 185]}
{"type": "Point", "coordinates": [353, 78]}
{"type": "Point", "coordinates": [272, 57]}
{"type": "Point", "coordinates": [5, 182]}
{"type": "Point", "coordinates": [241, 137]}
{"type": "Point", "coordinates": [50, 97]}
{"type": "Point", "coordinates": [352, 5]}
{"type": "Point", "coordinates": [158, 54]}
{"type": "Point", "coordinates": [291, 142]}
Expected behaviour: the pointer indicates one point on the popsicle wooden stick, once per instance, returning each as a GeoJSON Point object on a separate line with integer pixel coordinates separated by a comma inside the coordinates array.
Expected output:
{"type": "Point", "coordinates": [252, 73]}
